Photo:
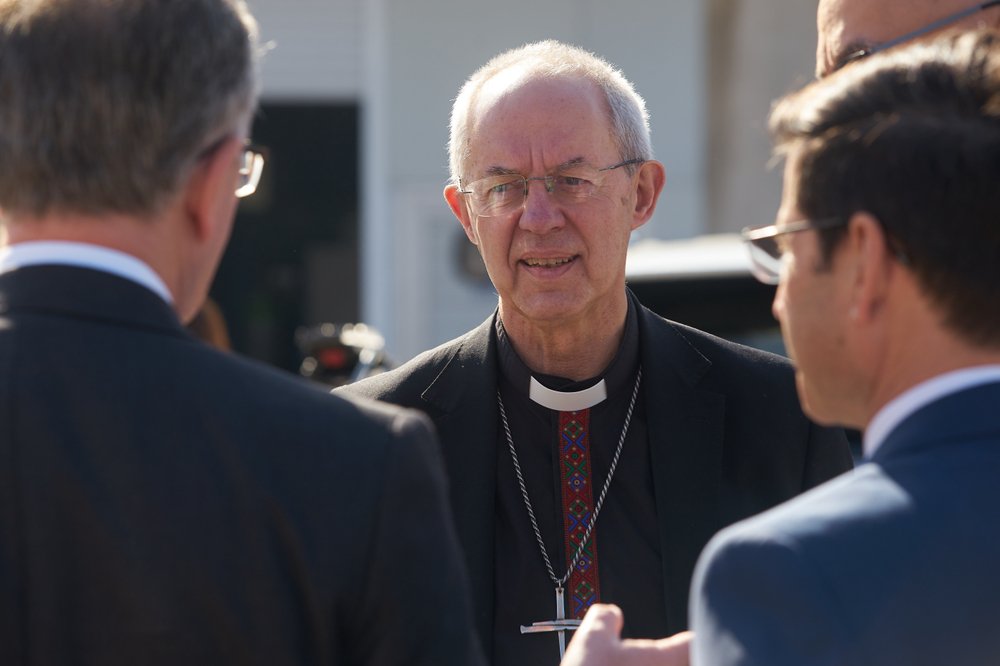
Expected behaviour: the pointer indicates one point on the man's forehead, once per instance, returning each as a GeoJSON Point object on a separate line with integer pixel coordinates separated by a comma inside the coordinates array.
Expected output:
{"type": "Point", "coordinates": [846, 26]}
{"type": "Point", "coordinates": [559, 119]}
{"type": "Point", "coordinates": [516, 87]}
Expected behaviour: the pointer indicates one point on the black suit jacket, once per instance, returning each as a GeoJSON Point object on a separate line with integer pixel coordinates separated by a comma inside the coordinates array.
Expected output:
{"type": "Point", "coordinates": [165, 503]}
{"type": "Point", "coordinates": [727, 440]}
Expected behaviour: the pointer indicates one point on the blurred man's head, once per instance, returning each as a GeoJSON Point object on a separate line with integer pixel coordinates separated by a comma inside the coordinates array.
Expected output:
{"type": "Point", "coordinates": [107, 102]}
{"type": "Point", "coordinates": [121, 110]}
{"type": "Point", "coordinates": [888, 228]}
{"type": "Point", "coordinates": [850, 28]}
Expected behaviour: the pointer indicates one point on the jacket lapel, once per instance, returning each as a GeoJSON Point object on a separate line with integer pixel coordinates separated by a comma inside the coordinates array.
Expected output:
{"type": "Point", "coordinates": [685, 425]}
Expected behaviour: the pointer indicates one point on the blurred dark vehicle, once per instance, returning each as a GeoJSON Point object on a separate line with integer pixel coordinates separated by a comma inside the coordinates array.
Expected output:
{"type": "Point", "coordinates": [338, 354]}
{"type": "Point", "coordinates": [706, 282]}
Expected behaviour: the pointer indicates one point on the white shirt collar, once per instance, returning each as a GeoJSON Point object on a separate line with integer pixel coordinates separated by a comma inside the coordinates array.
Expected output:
{"type": "Point", "coordinates": [567, 401]}
{"type": "Point", "coordinates": [84, 255]}
{"type": "Point", "coordinates": [909, 401]}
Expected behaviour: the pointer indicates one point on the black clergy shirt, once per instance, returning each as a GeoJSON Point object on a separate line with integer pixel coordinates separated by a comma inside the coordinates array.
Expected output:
{"type": "Point", "coordinates": [628, 547]}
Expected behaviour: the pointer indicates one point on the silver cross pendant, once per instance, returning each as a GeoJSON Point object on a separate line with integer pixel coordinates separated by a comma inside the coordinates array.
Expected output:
{"type": "Point", "coordinates": [560, 624]}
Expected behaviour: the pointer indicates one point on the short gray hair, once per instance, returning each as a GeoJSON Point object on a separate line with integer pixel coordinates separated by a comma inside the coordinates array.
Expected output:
{"type": "Point", "coordinates": [106, 104]}
{"type": "Point", "coordinates": [629, 119]}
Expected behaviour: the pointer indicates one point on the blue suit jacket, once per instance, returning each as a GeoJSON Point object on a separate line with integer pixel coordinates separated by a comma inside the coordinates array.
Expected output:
{"type": "Point", "coordinates": [895, 563]}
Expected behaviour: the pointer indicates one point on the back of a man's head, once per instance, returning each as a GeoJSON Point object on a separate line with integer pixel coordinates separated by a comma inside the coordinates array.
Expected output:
{"type": "Point", "coordinates": [104, 104]}
{"type": "Point", "coordinates": [913, 138]}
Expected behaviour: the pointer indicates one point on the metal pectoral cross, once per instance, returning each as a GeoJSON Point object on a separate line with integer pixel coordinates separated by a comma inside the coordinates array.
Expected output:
{"type": "Point", "coordinates": [560, 624]}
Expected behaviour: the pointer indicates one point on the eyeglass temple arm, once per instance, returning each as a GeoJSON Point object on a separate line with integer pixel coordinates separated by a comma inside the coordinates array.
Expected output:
{"type": "Point", "coordinates": [940, 23]}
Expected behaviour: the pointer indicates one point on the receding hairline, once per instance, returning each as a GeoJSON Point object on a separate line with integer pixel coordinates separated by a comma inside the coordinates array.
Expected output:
{"type": "Point", "coordinates": [624, 109]}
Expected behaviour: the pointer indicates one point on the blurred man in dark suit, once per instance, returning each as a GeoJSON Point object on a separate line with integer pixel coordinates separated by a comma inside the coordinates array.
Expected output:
{"type": "Point", "coordinates": [162, 502]}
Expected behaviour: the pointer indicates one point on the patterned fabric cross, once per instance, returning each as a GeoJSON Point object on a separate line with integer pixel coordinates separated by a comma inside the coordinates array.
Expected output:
{"type": "Point", "coordinates": [578, 503]}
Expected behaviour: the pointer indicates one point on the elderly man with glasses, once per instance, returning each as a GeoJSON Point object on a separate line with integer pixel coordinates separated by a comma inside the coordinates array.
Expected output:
{"type": "Point", "coordinates": [592, 447]}
{"type": "Point", "coordinates": [162, 502]}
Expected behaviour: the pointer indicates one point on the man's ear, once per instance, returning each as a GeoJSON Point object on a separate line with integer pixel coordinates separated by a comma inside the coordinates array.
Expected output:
{"type": "Point", "coordinates": [209, 194]}
{"type": "Point", "coordinates": [648, 186]}
{"type": "Point", "coordinates": [872, 265]}
{"type": "Point", "coordinates": [459, 206]}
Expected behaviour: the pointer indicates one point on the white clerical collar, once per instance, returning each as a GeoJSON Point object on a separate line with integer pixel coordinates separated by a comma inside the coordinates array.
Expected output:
{"type": "Point", "coordinates": [84, 255]}
{"type": "Point", "coordinates": [896, 410]}
{"type": "Point", "coordinates": [567, 401]}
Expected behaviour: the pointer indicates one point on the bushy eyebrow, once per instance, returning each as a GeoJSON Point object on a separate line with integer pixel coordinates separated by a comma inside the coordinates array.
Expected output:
{"type": "Point", "coordinates": [497, 170]}
{"type": "Point", "coordinates": [501, 171]}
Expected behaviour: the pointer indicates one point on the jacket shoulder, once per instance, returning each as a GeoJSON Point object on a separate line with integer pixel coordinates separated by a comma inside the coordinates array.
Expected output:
{"type": "Point", "coordinates": [405, 384]}
{"type": "Point", "coordinates": [725, 358]}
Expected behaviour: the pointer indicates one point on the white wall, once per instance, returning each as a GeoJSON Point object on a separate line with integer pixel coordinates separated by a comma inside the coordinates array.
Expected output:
{"type": "Point", "coordinates": [317, 48]}
{"type": "Point", "coordinates": [759, 51]}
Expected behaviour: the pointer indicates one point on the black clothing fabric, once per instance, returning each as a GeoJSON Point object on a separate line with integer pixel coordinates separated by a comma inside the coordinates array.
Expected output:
{"type": "Point", "coordinates": [162, 502]}
{"type": "Point", "coordinates": [627, 542]}
{"type": "Point", "coordinates": [727, 439]}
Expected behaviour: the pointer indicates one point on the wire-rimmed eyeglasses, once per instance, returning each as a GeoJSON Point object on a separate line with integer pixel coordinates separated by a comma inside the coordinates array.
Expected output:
{"type": "Point", "coordinates": [919, 32]}
{"type": "Point", "coordinates": [766, 255]}
{"type": "Point", "coordinates": [503, 194]}
{"type": "Point", "coordinates": [251, 165]}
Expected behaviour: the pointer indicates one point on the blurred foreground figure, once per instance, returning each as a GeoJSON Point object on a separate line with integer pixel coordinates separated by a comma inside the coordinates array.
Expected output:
{"type": "Point", "coordinates": [163, 502]}
{"type": "Point", "coordinates": [885, 250]}
{"type": "Point", "coordinates": [850, 30]}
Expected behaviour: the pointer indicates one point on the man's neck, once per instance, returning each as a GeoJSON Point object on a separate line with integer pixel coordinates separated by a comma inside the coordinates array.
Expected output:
{"type": "Point", "coordinates": [143, 239]}
{"type": "Point", "coordinates": [575, 349]}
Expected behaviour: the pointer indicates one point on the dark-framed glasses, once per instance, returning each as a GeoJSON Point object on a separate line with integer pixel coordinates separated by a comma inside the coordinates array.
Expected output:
{"type": "Point", "coordinates": [919, 32]}
{"type": "Point", "coordinates": [503, 194]}
{"type": "Point", "coordinates": [767, 258]}
{"type": "Point", "coordinates": [251, 166]}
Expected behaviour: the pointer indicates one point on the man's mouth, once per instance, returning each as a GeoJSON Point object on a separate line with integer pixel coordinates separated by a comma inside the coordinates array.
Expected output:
{"type": "Point", "coordinates": [548, 263]}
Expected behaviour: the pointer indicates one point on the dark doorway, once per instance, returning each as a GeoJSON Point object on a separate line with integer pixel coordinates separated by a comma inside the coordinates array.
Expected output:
{"type": "Point", "coordinates": [293, 257]}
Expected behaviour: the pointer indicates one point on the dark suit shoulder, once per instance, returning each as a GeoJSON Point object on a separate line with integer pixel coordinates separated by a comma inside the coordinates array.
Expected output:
{"type": "Point", "coordinates": [298, 405]}
{"type": "Point", "coordinates": [405, 385]}
{"type": "Point", "coordinates": [732, 358]}
{"type": "Point", "coordinates": [772, 450]}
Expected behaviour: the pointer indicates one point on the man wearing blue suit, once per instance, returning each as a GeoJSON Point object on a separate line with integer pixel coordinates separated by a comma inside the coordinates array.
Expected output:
{"type": "Point", "coordinates": [885, 250]}
{"type": "Point", "coordinates": [886, 245]}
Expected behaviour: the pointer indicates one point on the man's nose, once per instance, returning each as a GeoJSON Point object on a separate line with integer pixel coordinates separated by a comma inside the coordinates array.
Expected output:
{"type": "Point", "coordinates": [778, 304]}
{"type": "Point", "coordinates": [541, 213]}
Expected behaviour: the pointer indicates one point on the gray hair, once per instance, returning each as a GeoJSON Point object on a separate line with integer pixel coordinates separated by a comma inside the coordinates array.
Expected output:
{"type": "Point", "coordinates": [106, 104]}
{"type": "Point", "coordinates": [629, 119]}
